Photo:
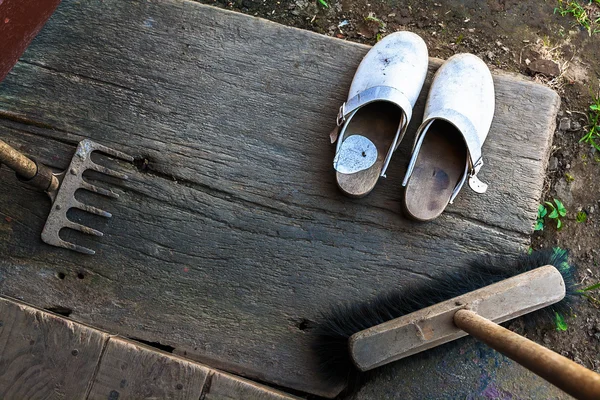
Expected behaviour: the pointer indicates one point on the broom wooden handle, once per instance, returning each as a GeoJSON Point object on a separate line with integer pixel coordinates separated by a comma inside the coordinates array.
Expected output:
{"type": "Point", "coordinates": [563, 373]}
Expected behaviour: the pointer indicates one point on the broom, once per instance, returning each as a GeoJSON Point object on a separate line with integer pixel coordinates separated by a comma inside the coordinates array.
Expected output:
{"type": "Point", "coordinates": [353, 338]}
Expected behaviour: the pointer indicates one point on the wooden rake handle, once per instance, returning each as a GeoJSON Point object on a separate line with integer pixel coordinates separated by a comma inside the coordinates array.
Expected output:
{"type": "Point", "coordinates": [16, 161]}
{"type": "Point", "coordinates": [563, 373]}
{"type": "Point", "coordinates": [27, 170]}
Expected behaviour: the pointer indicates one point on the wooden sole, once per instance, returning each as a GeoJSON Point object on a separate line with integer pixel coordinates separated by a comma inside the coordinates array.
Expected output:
{"type": "Point", "coordinates": [439, 167]}
{"type": "Point", "coordinates": [379, 123]}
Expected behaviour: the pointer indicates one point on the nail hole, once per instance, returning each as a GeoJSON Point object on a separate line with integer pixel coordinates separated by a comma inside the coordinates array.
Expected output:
{"type": "Point", "coordinates": [364, 154]}
{"type": "Point", "coordinates": [75, 352]}
{"type": "Point", "coordinates": [80, 275]}
{"type": "Point", "coordinates": [142, 164]}
{"type": "Point", "coordinates": [303, 324]}
{"type": "Point", "coordinates": [61, 275]}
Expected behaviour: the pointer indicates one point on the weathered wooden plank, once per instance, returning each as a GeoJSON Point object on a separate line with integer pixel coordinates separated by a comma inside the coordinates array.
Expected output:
{"type": "Point", "coordinates": [43, 356]}
{"type": "Point", "coordinates": [239, 228]}
{"type": "Point", "coordinates": [131, 371]}
{"type": "Point", "coordinates": [224, 386]}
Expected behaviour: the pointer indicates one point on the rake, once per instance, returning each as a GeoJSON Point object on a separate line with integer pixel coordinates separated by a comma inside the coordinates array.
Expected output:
{"type": "Point", "coordinates": [61, 187]}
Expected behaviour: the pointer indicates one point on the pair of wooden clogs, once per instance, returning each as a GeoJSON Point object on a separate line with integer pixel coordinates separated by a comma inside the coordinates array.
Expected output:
{"type": "Point", "coordinates": [447, 147]}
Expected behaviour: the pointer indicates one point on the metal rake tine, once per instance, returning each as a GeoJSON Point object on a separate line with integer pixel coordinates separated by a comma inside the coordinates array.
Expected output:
{"type": "Point", "coordinates": [93, 146]}
{"type": "Point", "coordinates": [114, 153]}
{"type": "Point", "coordinates": [83, 228]}
{"type": "Point", "coordinates": [80, 249]}
{"type": "Point", "coordinates": [99, 190]}
{"type": "Point", "coordinates": [92, 209]}
{"type": "Point", "coordinates": [108, 171]}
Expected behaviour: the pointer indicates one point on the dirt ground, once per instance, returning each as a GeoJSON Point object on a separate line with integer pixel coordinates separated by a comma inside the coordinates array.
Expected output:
{"type": "Point", "coordinates": [518, 36]}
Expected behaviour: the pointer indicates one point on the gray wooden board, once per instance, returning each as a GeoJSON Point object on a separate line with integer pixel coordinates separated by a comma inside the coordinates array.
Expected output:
{"type": "Point", "coordinates": [43, 356]}
{"type": "Point", "coordinates": [223, 386]}
{"type": "Point", "coordinates": [239, 233]}
{"type": "Point", "coordinates": [131, 371]}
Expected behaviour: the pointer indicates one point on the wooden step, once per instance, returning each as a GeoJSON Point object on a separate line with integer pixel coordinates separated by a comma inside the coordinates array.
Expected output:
{"type": "Point", "coordinates": [229, 242]}
{"type": "Point", "coordinates": [43, 355]}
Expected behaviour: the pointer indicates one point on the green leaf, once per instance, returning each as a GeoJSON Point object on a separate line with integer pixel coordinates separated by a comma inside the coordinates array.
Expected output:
{"type": "Point", "coordinates": [558, 224]}
{"type": "Point", "coordinates": [581, 216]}
{"type": "Point", "coordinates": [595, 107]}
{"type": "Point", "coordinates": [569, 177]}
{"type": "Point", "coordinates": [560, 207]}
{"type": "Point", "coordinates": [561, 325]}
{"type": "Point", "coordinates": [542, 211]}
{"type": "Point", "coordinates": [530, 249]}
{"type": "Point", "coordinates": [539, 225]}
{"type": "Point", "coordinates": [553, 214]}
{"type": "Point", "coordinates": [593, 287]}
{"type": "Point", "coordinates": [324, 3]}
{"type": "Point", "coordinates": [550, 205]}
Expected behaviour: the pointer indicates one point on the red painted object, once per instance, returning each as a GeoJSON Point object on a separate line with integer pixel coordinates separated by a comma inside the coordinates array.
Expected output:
{"type": "Point", "coordinates": [20, 22]}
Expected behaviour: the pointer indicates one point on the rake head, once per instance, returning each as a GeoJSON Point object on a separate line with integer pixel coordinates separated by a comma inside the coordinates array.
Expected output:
{"type": "Point", "coordinates": [64, 198]}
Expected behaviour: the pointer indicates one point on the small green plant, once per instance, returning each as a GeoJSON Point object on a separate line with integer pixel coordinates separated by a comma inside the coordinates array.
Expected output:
{"type": "Point", "coordinates": [561, 325]}
{"type": "Point", "coordinates": [558, 211]}
{"type": "Point", "coordinates": [373, 18]}
{"type": "Point", "coordinates": [569, 177]}
{"type": "Point", "coordinates": [580, 13]}
{"type": "Point", "coordinates": [592, 287]}
{"type": "Point", "coordinates": [553, 210]}
{"type": "Point", "coordinates": [539, 223]}
{"type": "Point", "coordinates": [324, 3]}
{"type": "Point", "coordinates": [581, 216]}
{"type": "Point", "coordinates": [593, 135]}
{"type": "Point", "coordinates": [585, 293]}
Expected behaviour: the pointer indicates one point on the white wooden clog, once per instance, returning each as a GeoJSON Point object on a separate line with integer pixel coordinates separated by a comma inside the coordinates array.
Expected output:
{"type": "Point", "coordinates": [447, 149]}
{"type": "Point", "coordinates": [372, 122]}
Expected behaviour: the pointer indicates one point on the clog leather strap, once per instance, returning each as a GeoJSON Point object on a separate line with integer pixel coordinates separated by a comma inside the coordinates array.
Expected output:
{"type": "Point", "coordinates": [370, 95]}
{"type": "Point", "coordinates": [472, 140]}
{"type": "Point", "coordinates": [375, 93]}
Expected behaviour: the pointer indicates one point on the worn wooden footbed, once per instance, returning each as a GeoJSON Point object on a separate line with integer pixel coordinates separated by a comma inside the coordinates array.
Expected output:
{"type": "Point", "coordinates": [379, 122]}
{"type": "Point", "coordinates": [440, 165]}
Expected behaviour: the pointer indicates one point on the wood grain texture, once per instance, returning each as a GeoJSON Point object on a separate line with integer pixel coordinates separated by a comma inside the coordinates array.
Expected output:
{"type": "Point", "coordinates": [43, 356]}
{"type": "Point", "coordinates": [131, 371]}
{"type": "Point", "coordinates": [222, 386]}
{"type": "Point", "coordinates": [238, 237]}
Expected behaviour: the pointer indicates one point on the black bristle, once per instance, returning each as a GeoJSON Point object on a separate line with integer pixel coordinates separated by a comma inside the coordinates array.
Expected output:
{"type": "Point", "coordinates": [332, 333]}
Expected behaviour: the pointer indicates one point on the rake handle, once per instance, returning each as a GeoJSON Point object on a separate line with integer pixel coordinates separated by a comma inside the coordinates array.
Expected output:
{"type": "Point", "coordinates": [27, 170]}
{"type": "Point", "coordinates": [563, 373]}
{"type": "Point", "coordinates": [16, 161]}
